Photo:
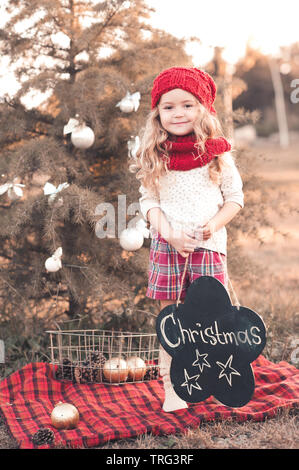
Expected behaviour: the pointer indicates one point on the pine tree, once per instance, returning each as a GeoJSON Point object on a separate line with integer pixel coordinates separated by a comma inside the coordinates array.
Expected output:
{"type": "Point", "coordinates": [84, 56]}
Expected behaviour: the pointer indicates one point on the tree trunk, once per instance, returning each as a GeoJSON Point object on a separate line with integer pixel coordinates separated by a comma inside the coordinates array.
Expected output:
{"type": "Point", "coordinates": [279, 104]}
{"type": "Point", "coordinates": [76, 308]}
{"type": "Point", "coordinates": [223, 71]}
{"type": "Point", "coordinates": [228, 103]}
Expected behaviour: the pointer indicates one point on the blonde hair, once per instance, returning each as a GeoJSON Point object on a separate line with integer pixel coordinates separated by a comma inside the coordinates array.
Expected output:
{"type": "Point", "coordinates": [148, 164]}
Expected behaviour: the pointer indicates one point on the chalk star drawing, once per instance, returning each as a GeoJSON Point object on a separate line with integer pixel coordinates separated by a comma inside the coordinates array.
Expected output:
{"type": "Point", "coordinates": [227, 370]}
{"type": "Point", "coordinates": [188, 382]}
{"type": "Point", "coordinates": [201, 361]}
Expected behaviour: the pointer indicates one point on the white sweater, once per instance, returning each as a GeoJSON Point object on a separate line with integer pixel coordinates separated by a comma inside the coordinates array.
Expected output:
{"type": "Point", "coordinates": [189, 199]}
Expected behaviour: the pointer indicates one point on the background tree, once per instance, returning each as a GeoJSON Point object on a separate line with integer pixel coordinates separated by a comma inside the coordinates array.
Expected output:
{"type": "Point", "coordinates": [254, 70]}
{"type": "Point", "coordinates": [83, 57]}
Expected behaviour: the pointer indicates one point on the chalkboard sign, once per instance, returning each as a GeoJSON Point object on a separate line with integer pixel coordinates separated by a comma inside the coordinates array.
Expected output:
{"type": "Point", "coordinates": [212, 344]}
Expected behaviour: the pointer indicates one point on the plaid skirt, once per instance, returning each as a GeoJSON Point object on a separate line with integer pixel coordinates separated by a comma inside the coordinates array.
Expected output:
{"type": "Point", "coordinates": [166, 268]}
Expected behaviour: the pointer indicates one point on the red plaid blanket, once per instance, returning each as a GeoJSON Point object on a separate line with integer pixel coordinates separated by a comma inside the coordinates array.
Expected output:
{"type": "Point", "coordinates": [27, 398]}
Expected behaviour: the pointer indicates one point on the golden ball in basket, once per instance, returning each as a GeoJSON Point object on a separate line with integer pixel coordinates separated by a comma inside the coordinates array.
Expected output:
{"type": "Point", "coordinates": [136, 368]}
{"type": "Point", "coordinates": [115, 370]}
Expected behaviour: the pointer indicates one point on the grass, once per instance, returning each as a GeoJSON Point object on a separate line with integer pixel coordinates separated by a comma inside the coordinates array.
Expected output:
{"type": "Point", "coordinates": [281, 432]}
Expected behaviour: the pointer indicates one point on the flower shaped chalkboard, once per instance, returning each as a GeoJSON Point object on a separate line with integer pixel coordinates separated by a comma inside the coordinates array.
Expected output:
{"type": "Point", "coordinates": [212, 344]}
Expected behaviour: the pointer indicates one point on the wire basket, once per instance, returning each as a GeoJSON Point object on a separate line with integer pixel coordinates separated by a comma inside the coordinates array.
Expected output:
{"type": "Point", "coordinates": [102, 356]}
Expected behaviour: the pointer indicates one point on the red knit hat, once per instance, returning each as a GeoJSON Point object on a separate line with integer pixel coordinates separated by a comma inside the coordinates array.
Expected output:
{"type": "Point", "coordinates": [190, 79]}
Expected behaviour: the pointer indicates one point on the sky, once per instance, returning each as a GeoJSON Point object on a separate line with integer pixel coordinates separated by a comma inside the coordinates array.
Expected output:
{"type": "Point", "coordinates": [231, 24]}
{"type": "Point", "coordinates": [268, 24]}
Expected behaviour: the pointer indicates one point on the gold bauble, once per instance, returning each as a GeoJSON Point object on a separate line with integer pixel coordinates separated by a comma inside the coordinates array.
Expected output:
{"type": "Point", "coordinates": [115, 370]}
{"type": "Point", "coordinates": [64, 416]}
{"type": "Point", "coordinates": [136, 367]}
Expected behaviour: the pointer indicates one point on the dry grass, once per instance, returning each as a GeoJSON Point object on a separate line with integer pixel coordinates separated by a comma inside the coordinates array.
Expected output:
{"type": "Point", "coordinates": [278, 433]}
{"type": "Point", "coordinates": [273, 296]}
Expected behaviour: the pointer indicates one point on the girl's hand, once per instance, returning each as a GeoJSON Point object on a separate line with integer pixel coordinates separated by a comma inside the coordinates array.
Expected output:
{"type": "Point", "coordinates": [204, 232]}
{"type": "Point", "coordinates": [208, 229]}
{"type": "Point", "coordinates": [184, 244]}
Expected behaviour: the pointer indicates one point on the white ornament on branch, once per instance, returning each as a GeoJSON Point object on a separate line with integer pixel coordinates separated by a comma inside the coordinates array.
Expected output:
{"type": "Point", "coordinates": [133, 146]}
{"type": "Point", "coordinates": [53, 263]}
{"type": "Point", "coordinates": [70, 126]}
{"type": "Point", "coordinates": [14, 189]}
{"type": "Point", "coordinates": [82, 137]}
{"type": "Point", "coordinates": [129, 103]}
{"type": "Point", "coordinates": [51, 191]}
{"type": "Point", "coordinates": [131, 239]}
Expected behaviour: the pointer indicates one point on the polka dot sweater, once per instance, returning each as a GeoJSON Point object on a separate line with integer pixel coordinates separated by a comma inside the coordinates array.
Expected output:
{"type": "Point", "coordinates": [190, 199]}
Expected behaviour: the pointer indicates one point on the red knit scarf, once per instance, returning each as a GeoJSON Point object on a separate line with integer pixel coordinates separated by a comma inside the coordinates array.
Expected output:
{"type": "Point", "coordinates": [184, 155]}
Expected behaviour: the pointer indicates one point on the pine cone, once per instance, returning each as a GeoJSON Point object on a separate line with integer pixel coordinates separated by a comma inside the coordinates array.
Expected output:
{"type": "Point", "coordinates": [43, 436]}
{"type": "Point", "coordinates": [98, 358]}
{"type": "Point", "coordinates": [88, 372]}
{"type": "Point", "coordinates": [89, 369]}
{"type": "Point", "coordinates": [65, 370]}
{"type": "Point", "coordinates": [152, 373]}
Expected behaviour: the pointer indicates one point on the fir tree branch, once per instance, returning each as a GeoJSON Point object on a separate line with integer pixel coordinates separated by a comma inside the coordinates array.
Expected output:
{"type": "Point", "coordinates": [104, 25]}
{"type": "Point", "coordinates": [32, 113]}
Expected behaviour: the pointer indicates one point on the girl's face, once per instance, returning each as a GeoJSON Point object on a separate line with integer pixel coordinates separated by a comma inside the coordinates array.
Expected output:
{"type": "Point", "coordinates": [178, 109]}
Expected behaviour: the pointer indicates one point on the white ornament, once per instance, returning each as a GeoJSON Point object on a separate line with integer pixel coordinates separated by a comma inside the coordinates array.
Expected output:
{"type": "Point", "coordinates": [141, 225]}
{"type": "Point", "coordinates": [133, 146]}
{"type": "Point", "coordinates": [51, 191]}
{"type": "Point", "coordinates": [53, 263]}
{"type": "Point", "coordinates": [14, 189]}
{"type": "Point", "coordinates": [82, 137]}
{"type": "Point", "coordinates": [131, 239]}
{"type": "Point", "coordinates": [70, 126]}
{"type": "Point", "coordinates": [129, 103]}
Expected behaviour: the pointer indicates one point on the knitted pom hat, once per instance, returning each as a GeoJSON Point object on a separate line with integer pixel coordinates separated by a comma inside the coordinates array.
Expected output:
{"type": "Point", "coordinates": [190, 79]}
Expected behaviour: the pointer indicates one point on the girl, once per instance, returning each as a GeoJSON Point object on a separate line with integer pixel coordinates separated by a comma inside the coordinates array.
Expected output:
{"type": "Point", "coordinates": [190, 190]}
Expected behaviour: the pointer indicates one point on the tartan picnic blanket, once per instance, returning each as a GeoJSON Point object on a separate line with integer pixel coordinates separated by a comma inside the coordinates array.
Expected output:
{"type": "Point", "coordinates": [107, 412]}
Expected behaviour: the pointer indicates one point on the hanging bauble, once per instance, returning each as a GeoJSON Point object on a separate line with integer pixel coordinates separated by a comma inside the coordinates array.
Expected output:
{"type": "Point", "coordinates": [115, 370]}
{"type": "Point", "coordinates": [64, 416]}
{"type": "Point", "coordinates": [129, 103]}
{"type": "Point", "coordinates": [14, 189]}
{"type": "Point", "coordinates": [136, 368]}
{"type": "Point", "coordinates": [131, 239]}
{"type": "Point", "coordinates": [53, 263]}
{"type": "Point", "coordinates": [82, 137]}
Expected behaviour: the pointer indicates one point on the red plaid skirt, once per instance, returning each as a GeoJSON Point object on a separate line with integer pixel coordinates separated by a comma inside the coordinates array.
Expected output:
{"type": "Point", "coordinates": [166, 268]}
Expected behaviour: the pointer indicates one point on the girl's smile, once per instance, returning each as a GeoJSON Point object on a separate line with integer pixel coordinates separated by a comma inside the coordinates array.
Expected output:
{"type": "Point", "coordinates": [178, 109]}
